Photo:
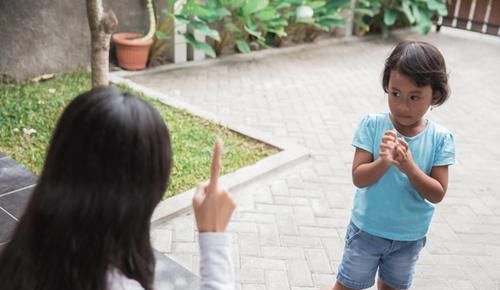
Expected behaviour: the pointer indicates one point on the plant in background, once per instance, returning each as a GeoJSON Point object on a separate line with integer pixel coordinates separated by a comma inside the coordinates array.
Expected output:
{"type": "Point", "coordinates": [132, 50]}
{"type": "Point", "coordinates": [242, 22]}
{"type": "Point", "coordinates": [308, 18]}
{"type": "Point", "coordinates": [188, 15]}
{"type": "Point", "coordinates": [248, 24]}
{"type": "Point", "coordinates": [384, 14]}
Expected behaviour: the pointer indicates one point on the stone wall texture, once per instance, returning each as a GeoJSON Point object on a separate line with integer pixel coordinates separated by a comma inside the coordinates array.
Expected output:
{"type": "Point", "coordinates": [49, 36]}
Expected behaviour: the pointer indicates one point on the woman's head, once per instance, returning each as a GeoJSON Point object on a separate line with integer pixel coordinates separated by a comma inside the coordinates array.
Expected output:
{"type": "Point", "coordinates": [106, 169]}
{"type": "Point", "coordinates": [422, 63]}
{"type": "Point", "coordinates": [114, 150]}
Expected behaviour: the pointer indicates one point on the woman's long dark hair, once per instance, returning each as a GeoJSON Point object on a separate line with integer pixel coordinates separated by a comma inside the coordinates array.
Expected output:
{"type": "Point", "coordinates": [106, 169]}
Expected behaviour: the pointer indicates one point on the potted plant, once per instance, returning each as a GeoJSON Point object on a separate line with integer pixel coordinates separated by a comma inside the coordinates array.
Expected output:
{"type": "Point", "coordinates": [132, 50]}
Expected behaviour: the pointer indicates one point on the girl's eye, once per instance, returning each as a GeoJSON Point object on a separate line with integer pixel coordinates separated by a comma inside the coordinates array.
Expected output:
{"type": "Point", "coordinates": [414, 98]}
{"type": "Point", "coordinates": [395, 94]}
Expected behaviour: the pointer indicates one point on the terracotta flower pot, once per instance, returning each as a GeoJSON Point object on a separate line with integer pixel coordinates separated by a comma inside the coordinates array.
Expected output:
{"type": "Point", "coordinates": [132, 53]}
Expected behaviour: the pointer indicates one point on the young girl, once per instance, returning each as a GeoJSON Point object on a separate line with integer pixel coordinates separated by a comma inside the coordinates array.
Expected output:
{"type": "Point", "coordinates": [87, 224]}
{"type": "Point", "coordinates": [400, 167]}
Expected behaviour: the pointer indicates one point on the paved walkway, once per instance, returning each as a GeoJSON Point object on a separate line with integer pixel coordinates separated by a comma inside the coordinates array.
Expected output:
{"type": "Point", "coordinates": [288, 230]}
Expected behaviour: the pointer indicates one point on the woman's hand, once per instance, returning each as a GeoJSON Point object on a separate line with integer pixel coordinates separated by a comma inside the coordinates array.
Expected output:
{"type": "Point", "coordinates": [213, 206]}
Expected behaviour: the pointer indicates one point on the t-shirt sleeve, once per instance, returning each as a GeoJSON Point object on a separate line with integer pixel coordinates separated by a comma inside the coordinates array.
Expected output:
{"type": "Point", "coordinates": [445, 154]}
{"type": "Point", "coordinates": [363, 138]}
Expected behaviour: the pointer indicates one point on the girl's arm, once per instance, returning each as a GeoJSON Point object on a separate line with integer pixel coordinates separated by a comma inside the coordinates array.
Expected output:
{"type": "Point", "coordinates": [431, 187]}
{"type": "Point", "coordinates": [365, 171]}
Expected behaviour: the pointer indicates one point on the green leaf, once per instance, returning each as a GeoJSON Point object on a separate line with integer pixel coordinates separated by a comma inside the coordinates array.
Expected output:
{"type": "Point", "coordinates": [416, 13]}
{"type": "Point", "coordinates": [203, 46]}
{"type": "Point", "coordinates": [407, 11]}
{"type": "Point", "coordinates": [252, 6]}
{"type": "Point", "coordinates": [365, 11]}
{"type": "Point", "coordinates": [182, 19]}
{"type": "Point", "coordinates": [434, 5]}
{"type": "Point", "coordinates": [266, 14]}
{"type": "Point", "coordinates": [282, 5]}
{"type": "Point", "coordinates": [211, 14]}
{"type": "Point", "coordinates": [237, 4]}
{"type": "Point", "coordinates": [243, 46]}
{"type": "Point", "coordinates": [190, 8]}
{"type": "Point", "coordinates": [204, 29]}
{"type": "Point", "coordinates": [315, 4]}
{"type": "Point", "coordinates": [253, 32]}
{"type": "Point", "coordinates": [390, 16]}
{"type": "Point", "coordinates": [331, 22]}
{"type": "Point", "coordinates": [440, 7]}
{"type": "Point", "coordinates": [334, 5]}
{"type": "Point", "coordinates": [277, 22]}
{"type": "Point", "coordinates": [279, 32]}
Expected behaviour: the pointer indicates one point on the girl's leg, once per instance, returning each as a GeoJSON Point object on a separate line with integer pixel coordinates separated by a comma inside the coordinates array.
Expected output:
{"type": "Point", "coordinates": [398, 265]}
{"type": "Point", "coordinates": [362, 253]}
{"type": "Point", "coordinates": [382, 286]}
{"type": "Point", "coordinates": [339, 286]}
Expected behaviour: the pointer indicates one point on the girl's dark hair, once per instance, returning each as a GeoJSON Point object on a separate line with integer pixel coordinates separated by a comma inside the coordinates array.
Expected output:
{"type": "Point", "coordinates": [106, 169]}
{"type": "Point", "coordinates": [423, 63]}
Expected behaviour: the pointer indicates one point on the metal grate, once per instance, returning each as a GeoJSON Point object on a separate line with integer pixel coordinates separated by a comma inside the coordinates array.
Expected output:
{"type": "Point", "coordinates": [476, 15]}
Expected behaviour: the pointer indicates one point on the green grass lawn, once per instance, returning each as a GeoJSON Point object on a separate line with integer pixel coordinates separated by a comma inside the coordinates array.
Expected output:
{"type": "Point", "coordinates": [37, 105]}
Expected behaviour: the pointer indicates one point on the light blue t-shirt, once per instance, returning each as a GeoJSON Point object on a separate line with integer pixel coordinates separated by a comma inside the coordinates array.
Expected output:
{"type": "Point", "coordinates": [391, 208]}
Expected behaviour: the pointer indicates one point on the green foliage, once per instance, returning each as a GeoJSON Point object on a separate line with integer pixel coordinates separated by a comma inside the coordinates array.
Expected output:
{"type": "Point", "coordinates": [244, 22]}
{"type": "Point", "coordinates": [247, 21]}
{"type": "Point", "coordinates": [384, 14]}
{"type": "Point", "coordinates": [189, 15]}
{"type": "Point", "coordinates": [29, 106]}
{"type": "Point", "coordinates": [325, 17]}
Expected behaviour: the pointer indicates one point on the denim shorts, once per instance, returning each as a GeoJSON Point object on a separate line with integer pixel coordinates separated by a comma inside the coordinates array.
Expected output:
{"type": "Point", "coordinates": [364, 254]}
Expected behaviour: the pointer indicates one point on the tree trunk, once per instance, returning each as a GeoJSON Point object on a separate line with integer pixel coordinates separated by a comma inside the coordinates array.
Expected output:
{"type": "Point", "coordinates": [101, 26]}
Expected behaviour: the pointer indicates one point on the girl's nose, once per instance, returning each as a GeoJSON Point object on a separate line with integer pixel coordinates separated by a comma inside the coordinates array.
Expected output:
{"type": "Point", "coordinates": [404, 105]}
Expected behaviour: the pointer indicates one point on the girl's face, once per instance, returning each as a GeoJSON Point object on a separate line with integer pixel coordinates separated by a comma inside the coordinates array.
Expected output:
{"type": "Point", "coordinates": [407, 101]}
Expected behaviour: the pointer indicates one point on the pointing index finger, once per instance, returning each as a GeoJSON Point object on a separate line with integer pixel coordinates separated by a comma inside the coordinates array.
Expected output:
{"type": "Point", "coordinates": [216, 166]}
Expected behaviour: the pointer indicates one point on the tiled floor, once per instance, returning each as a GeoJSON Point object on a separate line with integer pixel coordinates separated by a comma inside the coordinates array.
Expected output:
{"type": "Point", "coordinates": [16, 185]}
{"type": "Point", "coordinates": [288, 230]}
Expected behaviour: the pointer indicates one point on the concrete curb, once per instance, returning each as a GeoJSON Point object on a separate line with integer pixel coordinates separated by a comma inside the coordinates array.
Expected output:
{"type": "Point", "coordinates": [290, 155]}
{"type": "Point", "coordinates": [240, 57]}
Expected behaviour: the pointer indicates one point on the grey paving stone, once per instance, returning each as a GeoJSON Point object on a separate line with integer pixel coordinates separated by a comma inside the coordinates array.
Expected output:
{"type": "Point", "coordinates": [7, 225]}
{"type": "Point", "coordinates": [299, 273]}
{"type": "Point", "coordinates": [262, 263]}
{"type": "Point", "coordinates": [316, 96]}
{"type": "Point", "coordinates": [14, 176]}
{"type": "Point", "coordinates": [15, 203]}
{"type": "Point", "coordinates": [168, 275]}
{"type": "Point", "coordinates": [318, 261]}
{"type": "Point", "coordinates": [276, 280]}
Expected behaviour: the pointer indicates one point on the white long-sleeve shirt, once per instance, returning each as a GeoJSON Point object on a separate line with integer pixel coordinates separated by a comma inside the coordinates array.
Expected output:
{"type": "Point", "coordinates": [216, 266]}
